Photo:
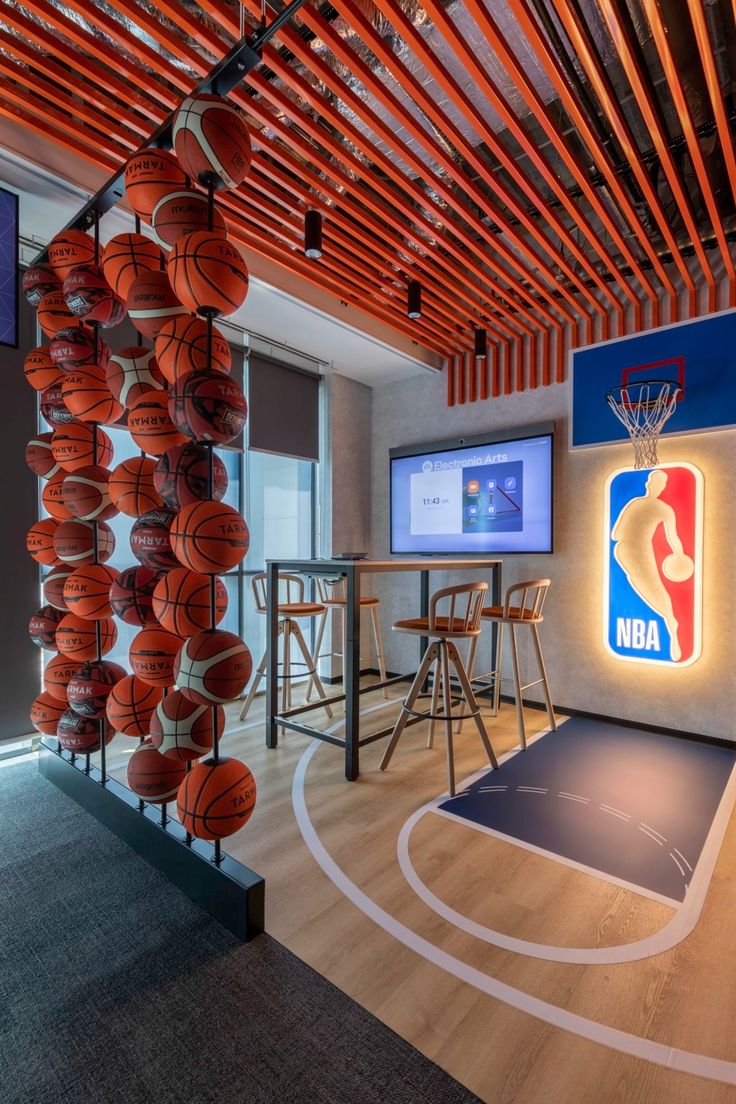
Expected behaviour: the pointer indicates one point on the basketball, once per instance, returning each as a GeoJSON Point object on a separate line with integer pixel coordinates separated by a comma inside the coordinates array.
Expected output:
{"type": "Point", "coordinates": [151, 302]}
{"type": "Point", "coordinates": [74, 541]}
{"type": "Point", "coordinates": [73, 446]}
{"type": "Point", "coordinates": [53, 313]}
{"type": "Point", "coordinates": [153, 777]}
{"type": "Point", "coordinates": [180, 213]}
{"type": "Point", "coordinates": [131, 486]}
{"type": "Point", "coordinates": [216, 798]}
{"type": "Point", "coordinates": [53, 408]}
{"type": "Point", "coordinates": [213, 667]}
{"type": "Point", "coordinates": [82, 734]}
{"type": "Point", "coordinates": [74, 347]}
{"type": "Point", "coordinates": [130, 705]}
{"type": "Point", "coordinates": [89, 687]}
{"type": "Point", "coordinates": [208, 273]}
{"type": "Point", "coordinates": [211, 140]}
{"type": "Point", "coordinates": [89, 297]}
{"type": "Point", "coordinates": [52, 497]}
{"type": "Point", "coordinates": [56, 675]}
{"type": "Point", "coordinates": [126, 256]}
{"type": "Point", "coordinates": [39, 368]}
{"type": "Point", "coordinates": [87, 591]}
{"type": "Point", "coordinates": [182, 730]}
{"type": "Point", "coordinates": [53, 586]}
{"type": "Point", "coordinates": [87, 396]}
{"type": "Point", "coordinates": [152, 654]}
{"type": "Point", "coordinates": [150, 424]}
{"type": "Point", "coordinates": [181, 602]}
{"type": "Point", "coordinates": [86, 494]}
{"type": "Point", "coordinates": [210, 537]}
{"type": "Point", "coordinates": [68, 250]}
{"type": "Point", "coordinates": [181, 476]}
{"type": "Point", "coordinates": [678, 567]}
{"type": "Point", "coordinates": [77, 638]}
{"type": "Point", "coordinates": [46, 712]}
{"type": "Point", "coordinates": [208, 406]}
{"type": "Point", "coordinates": [150, 542]}
{"type": "Point", "coordinates": [40, 458]}
{"type": "Point", "coordinates": [182, 347]}
{"type": "Point", "coordinates": [131, 595]}
{"type": "Point", "coordinates": [43, 625]}
{"type": "Point", "coordinates": [40, 541]}
{"type": "Point", "coordinates": [37, 281]}
{"type": "Point", "coordinates": [132, 372]}
{"type": "Point", "coordinates": [150, 174]}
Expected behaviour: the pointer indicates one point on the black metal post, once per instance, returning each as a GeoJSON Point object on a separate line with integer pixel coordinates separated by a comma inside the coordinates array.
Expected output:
{"type": "Point", "coordinates": [272, 653]}
{"type": "Point", "coordinates": [351, 667]}
{"type": "Point", "coordinates": [424, 612]}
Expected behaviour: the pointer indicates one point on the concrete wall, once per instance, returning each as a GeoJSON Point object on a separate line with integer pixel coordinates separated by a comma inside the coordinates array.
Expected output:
{"type": "Point", "coordinates": [700, 698]}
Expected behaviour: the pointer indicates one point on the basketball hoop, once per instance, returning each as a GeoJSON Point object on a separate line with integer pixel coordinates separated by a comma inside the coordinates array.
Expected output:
{"type": "Point", "coordinates": [643, 408]}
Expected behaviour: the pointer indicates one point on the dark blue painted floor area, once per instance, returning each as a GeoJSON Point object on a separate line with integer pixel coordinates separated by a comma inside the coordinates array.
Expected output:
{"type": "Point", "coordinates": [632, 805]}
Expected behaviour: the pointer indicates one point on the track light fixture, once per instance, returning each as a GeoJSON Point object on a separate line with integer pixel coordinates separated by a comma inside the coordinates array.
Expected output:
{"type": "Point", "coordinates": [481, 344]}
{"type": "Point", "coordinates": [414, 299]}
{"type": "Point", "coordinates": [313, 235]}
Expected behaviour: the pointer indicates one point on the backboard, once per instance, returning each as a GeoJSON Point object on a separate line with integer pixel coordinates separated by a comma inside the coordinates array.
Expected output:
{"type": "Point", "coordinates": [699, 355]}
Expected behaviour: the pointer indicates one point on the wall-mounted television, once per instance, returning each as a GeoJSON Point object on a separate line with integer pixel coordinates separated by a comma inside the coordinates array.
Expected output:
{"type": "Point", "coordinates": [490, 493]}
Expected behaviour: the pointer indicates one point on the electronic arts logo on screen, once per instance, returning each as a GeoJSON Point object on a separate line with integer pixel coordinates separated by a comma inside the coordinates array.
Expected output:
{"type": "Point", "coordinates": [652, 593]}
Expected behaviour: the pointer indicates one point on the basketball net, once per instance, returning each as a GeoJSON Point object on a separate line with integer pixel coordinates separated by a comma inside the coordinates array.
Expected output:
{"type": "Point", "coordinates": [644, 408]}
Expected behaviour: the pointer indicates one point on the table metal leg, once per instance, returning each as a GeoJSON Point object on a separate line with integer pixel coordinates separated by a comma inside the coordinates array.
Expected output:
{"type": "Point", "coordinates": [272, 654]}
{"type": "Point", "coordinates": [351, 668]}
{"type": "Point", "coordinates": [496, 600]}
{"type": "Point", "coordinates": [424, 612]}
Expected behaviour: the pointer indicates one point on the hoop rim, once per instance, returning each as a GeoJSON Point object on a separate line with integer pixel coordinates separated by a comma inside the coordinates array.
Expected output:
{"type": "Point", "coordinates": [615, 394]}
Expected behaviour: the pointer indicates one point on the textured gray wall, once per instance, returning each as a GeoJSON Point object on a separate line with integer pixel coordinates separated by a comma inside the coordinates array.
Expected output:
{"type": "Point", "coordinates": [700, 698]}
{"type": "Point", "coordinates": [350, 435]}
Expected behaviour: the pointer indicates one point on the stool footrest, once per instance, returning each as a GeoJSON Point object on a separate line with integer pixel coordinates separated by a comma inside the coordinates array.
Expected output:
{"type": "Point", "coordinates": [427, 716]}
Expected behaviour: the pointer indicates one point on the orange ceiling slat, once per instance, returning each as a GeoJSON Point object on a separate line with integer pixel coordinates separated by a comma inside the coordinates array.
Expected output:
{"type": "Point", "coordinates": [708, 61]}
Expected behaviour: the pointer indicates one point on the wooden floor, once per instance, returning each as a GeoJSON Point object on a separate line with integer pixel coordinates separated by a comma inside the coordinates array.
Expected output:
{"type": "Point", "coordinates": [683, 998]}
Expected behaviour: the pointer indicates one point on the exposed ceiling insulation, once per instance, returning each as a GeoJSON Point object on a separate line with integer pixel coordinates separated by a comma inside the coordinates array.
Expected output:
{"type": "Point", "coordinates": [556, 171]}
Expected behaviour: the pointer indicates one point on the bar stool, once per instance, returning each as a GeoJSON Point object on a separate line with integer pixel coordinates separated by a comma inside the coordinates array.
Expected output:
{"type": "Point", "coordinates": [462, 622]}
{"type": "Point", "coordinates": [332, 594]}
{"type": "Point", "coordinates": [294, 607]}
{"type": "Point", "coordinates": [527, 611]}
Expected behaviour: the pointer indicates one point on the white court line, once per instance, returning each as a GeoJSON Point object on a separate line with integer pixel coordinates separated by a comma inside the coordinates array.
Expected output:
{"type": "Point", "coordinates": [531, 789]}
{"type": "Point", "coordinates": [651, 835]}
{"type": "Point", "coordinates": [653, 831]}
{"type": "Point", "coordinates": [616, 812]}
{"type": "Point", "coordinates": [574, 797]}
{"type": "Point", "coordinates": [672, 1058]}
{"type": "Point", "coordinates": [681, 856]}
{"type": "Point", "coordinates": [677, 864]}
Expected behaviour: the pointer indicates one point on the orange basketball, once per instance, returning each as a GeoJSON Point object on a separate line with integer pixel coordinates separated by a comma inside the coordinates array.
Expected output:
{"type": "Point", "coordinates": [86, 494]}
{"type": "Point", "coordinates": [152, 776]}
{"type": "Point", "coordinates": [213, 666]}
{"type": "Point", "coordinates": [216, 798]}
{"type": "Point", "coordinates": [150, 425]}
{"type": "Point", "coordinates": [130, 705]}
{"type": "Point", "coordinates": [52, 497]}
{"type": "Point", "coordinates": [210, 537]}
{"type": "Point", "coordinates": [46, 712]}
{"type": "Point", "coordinates": [57, 673]}
{"type": "Point", "coordinates": [150, 174]}
{"type": "Point", "coordinates": [87, 591]}
{"type": "Point", "coordinates": [131, 486]}
{"type": "Point", "coordinates": [40, 370]}
{"type": "Point", "coordinates": [211, 140]}
{"type": "Point", "coordinates": [82, 734]}
{"type": "Point", "coordinates": [181, 601]}
{"type": "Point", "coordinates": [53, 313]}
{"type": "Point", "coordinates": [39, 457]}
{"type": "Point", "coordinates": [68, 250]}
{"type": "Point", "coordinates": [75, 346]}
{"type": "Point", "coordinates": [73, 446]}
{"type": "Point", "coordinates": [88, 397]}
{"type": "Point", "coordinates": [182, 730]}
{"type": "Point", "coordinates": [40, 540]}
{"type": "Point", "coordinates": [126, 256]}
{"type": "Point", "coordinates": [180, 213]}
{"type": "Point", "coordinates": [53, 408]}
{"type": "Point", "coordinates": [42, 627]}
{"type": "Point", "coordinates": [208, 273]}
{"type": "Point", "coordinates": [131, 595]}
{"type": "Point", "coordinates": [74, 541]}
{"type": "Point", "coordinates": [37, 280]}
{"type": "Point", "coordinates": [181, 347]}
{"type": "Point", "coordinates": [131, 372]}
{"type": "Point", "coordinates": [77, 638]}
{"type": "Point", "coordinates": [89, 687]}
{"type": "Point", "coordinates": [152, 302]}
{"type": "Point", "coordinates": [150, 542]}
{"type": "Point", "coordinates": [152, 654]}
{"type": "Point", "coordinates": [53, 586]}
{"type": "Point", "coordinates": [89, 297]}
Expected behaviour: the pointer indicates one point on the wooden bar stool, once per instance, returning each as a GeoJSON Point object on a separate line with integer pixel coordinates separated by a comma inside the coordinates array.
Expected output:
{"type": "Point", "coordinates": [462, 622]}
{"type": "Point", "coordinates": [331, 593]}
{"type": "Point", "coordinates": [526, 611]}
{"type": "Point", "coordinates": [288, 626]}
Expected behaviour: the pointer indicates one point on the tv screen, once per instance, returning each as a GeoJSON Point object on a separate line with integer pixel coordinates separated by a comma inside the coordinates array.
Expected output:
{"type": "Point", "coordinates": [473, 495]}
{"type": "Point", "coordinates": [8, 268]}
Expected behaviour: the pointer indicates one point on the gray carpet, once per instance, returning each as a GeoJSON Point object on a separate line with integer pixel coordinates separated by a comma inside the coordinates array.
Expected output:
{"type": "Point", "coordinates": [116, 989]}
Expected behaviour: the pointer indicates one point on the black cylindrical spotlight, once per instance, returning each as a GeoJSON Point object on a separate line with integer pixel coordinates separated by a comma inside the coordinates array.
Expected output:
{"type": "Point", "coordinates": [414, 299]}
{"type": "Point", "coordinates": [481, 344]}
{"type": "Point", "coordinates": [313, 235]}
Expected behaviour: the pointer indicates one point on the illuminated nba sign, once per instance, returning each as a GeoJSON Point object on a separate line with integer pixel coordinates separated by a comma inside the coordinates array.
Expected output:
{"type": "Point", "coordinates": [653, 564]}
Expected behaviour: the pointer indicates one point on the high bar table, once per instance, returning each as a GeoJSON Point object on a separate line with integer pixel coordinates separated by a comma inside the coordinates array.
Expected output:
{"type": "Point", "coordinates": [353, 570]}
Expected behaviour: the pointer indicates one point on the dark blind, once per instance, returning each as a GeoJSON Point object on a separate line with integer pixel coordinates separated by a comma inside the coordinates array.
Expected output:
{"type": "Point", "coordinates": [283, 408]}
